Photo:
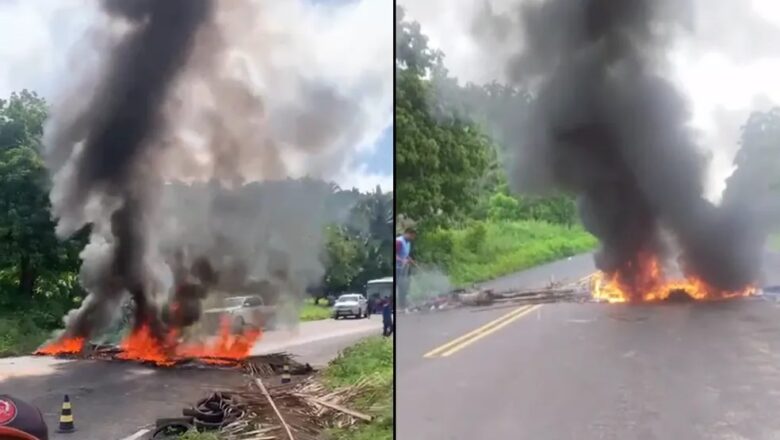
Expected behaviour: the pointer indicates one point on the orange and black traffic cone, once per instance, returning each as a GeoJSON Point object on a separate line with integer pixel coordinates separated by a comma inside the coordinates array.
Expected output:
{"type": "Point", "coordinates": [286, 373]}
{"type": "Point", "coordinates": [66, 417]}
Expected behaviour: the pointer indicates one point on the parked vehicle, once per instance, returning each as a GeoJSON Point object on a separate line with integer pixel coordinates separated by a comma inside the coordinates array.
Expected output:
{"type": "Point", "coordinates": [350, 304]}
{"type": "Point", "coordinates": [377, 290]}
{"type": "Point", "coordinates": [242, 311]}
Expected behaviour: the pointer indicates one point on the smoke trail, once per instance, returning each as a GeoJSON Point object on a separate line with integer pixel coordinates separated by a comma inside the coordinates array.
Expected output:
{"type": "Point", "coordinates": [606, 125]}
{"type": "Point", "coordinates": [199, 91]}
{"type": "Point", "coordinates": [108, 145]}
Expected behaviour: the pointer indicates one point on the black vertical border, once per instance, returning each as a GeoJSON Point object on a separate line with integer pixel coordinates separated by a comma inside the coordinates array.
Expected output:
{"type": "Point", "coordinates": [395, 210]}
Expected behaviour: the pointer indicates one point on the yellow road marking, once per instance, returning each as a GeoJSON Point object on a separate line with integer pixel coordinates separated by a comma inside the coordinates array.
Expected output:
{"type": "Point", "coordinates": [475, 335]}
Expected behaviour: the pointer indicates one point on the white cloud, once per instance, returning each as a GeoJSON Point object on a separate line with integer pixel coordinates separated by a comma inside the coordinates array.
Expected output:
{"type": "Point", "coordinates": [359, 177]}
{"type": "Point", "coordinates": [727, 67]}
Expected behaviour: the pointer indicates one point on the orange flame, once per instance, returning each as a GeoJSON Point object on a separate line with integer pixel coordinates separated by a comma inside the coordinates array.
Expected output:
{"type": "Point", "coordinates": [142, 345]}
{"type": "Point", "coordinates": [649, 285]}
{"type": "Point", "coordinates": [62, 346]}
{"type": "Point", "coordinates": [224, 349]}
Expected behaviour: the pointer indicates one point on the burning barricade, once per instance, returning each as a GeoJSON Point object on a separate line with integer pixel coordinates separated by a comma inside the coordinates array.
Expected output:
{"type": "Point", "coordinates": [646, 282]}
{"type": "Point", "coordinates": [225, 348]}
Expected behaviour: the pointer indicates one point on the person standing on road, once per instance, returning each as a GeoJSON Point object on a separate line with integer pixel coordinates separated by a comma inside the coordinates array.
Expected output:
{"type": "Point", "coordinates": [403, 262]}
{"type": "Point", "coordinates": [387, 318]}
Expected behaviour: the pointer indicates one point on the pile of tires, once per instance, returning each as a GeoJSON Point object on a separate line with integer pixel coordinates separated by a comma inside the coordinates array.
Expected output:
{"type": "Point", "coordinates": [209, 414]}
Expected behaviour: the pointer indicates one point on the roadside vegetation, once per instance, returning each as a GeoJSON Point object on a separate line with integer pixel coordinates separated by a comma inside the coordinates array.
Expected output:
{"type": "Point", "coordinates": [20, 336]}
{"type": "Point", "coordinates": [369, 362]}
{"type": "Point", "coordinates": [451, 181]}
{"type": "Point", "coordinates": [39, 280]}
{"type": "Point", "coordinates": [489, 249]}
{"type": "Point", "coordinates": [195, 435]}
{"type": "Point", "coordinates": [314, 312]}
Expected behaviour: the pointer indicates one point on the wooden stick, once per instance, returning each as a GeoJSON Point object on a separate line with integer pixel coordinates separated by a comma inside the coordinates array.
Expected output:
{"type": "Point", "coordinates": [259, 383]}
{"type": "Point", "coordinates": [356, 414]}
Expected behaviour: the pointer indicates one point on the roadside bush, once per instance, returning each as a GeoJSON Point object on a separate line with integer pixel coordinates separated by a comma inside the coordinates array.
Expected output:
{"type": "Point", "coordinates": [503, 208]}
{"type": "Point", "coordinates": [313, 312]}
{"type": "Point", "coordinates": [474, 238]}
{"type": "Point", "coordinates": [435, 245]}
{"type": "Point", "coordinates": [20, 336]}
{"type": "Point", "coordinates": [487, 250]}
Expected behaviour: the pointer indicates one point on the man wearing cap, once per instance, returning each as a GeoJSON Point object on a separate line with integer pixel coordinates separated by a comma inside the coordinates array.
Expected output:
{"type": "Point", "coordinates": [21, 421]}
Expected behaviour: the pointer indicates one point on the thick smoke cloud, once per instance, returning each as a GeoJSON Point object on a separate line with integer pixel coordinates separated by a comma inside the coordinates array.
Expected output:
{"type": "Point", "coordinates": [193, 91]}
{"type": "Point", "coordinates": [606, 124]}
{"type": "Point", "coordinates": [116, 136]}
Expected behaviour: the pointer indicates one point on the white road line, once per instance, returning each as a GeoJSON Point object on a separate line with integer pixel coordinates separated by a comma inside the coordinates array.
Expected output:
{"type": "Point", "coordinates": [138, 434]}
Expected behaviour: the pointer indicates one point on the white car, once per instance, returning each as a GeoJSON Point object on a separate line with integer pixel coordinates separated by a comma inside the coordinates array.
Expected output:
{"type": "Point", "coordinates": [242, 311]}
{"type": "Point", "coordinates": [351, 304]}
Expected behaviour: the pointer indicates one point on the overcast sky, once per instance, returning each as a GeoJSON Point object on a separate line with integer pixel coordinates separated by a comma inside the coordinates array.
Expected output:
{"type": "Point", "coordinates": [349, 41]}
{"type": "Point", "coordinates": [727, 66]}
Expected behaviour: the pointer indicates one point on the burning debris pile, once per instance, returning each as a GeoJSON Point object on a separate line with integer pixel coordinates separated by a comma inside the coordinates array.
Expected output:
{"type": "Point", "coordinates": [225, 349]}
{"type": "Point", "coordinates": [172, 103]}
{"type": "Point", "coordinates": [650, 285]}
{"type": "Point", "coordinates": [607, 126]}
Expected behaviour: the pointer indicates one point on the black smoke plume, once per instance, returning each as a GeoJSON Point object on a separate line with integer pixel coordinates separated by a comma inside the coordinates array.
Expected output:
{"type": "Point", "coordinates": [160, 140]}
{"type": "Point", "coordinates": [607, 126]}
{"type": "Point", "coordinates": [118, 133]}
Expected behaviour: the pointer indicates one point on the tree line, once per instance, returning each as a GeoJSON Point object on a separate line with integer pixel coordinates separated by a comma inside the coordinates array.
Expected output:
{"type": "Point", "coordinates": [451, 139]}
{"type": "Point", "coordinates": [39, 272]}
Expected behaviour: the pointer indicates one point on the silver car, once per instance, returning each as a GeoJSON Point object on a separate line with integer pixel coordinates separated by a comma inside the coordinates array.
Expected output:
{"type": "Point", "coordinates": [351, 304]}
{"type": "Point", "coordinates": [242, 311]}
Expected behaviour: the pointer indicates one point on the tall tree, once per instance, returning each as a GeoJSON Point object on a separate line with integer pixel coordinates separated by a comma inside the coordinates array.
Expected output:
{"type": "Point", "coordinates": [28, 243]}
{"type": "Point", "coordinates": [440, 156]}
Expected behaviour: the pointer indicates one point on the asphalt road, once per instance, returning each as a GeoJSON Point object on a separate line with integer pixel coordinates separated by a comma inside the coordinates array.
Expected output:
{"type": "Point", "coordinates": [590, 371]}
{"type": "Point", "coordinates": [114, 400]}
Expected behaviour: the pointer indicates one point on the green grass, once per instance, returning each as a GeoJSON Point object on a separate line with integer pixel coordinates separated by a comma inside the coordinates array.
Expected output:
{"type": "Point", "coordinates": [312, 312]}
{"type": "Point", "coordinates": [486, 250]}
{"type": "Point", "coordinates": [373, 357]}
{"type": "Point", "coordinates": [195, 435]}
{"type": "Point", "coordinates": [20, 336]}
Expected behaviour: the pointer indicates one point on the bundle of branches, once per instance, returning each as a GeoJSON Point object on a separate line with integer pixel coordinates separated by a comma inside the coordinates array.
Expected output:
{"type": "Point", "coordinates": [329, 405]}
{"type": "Point", "coordinates": [279, 407]}
{"type": "Point", "coordinates": [298, 412]}
{"type": "Point", "coordinates": [273, 364]}
{"type": "Point", "coordinates": [554, 291]}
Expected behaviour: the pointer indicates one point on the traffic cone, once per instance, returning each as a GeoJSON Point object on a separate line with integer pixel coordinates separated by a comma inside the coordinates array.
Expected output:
{"type": "Point", "coordinates": [286, 373]}
{"type": "Point", "coordinates": [66, 417]}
